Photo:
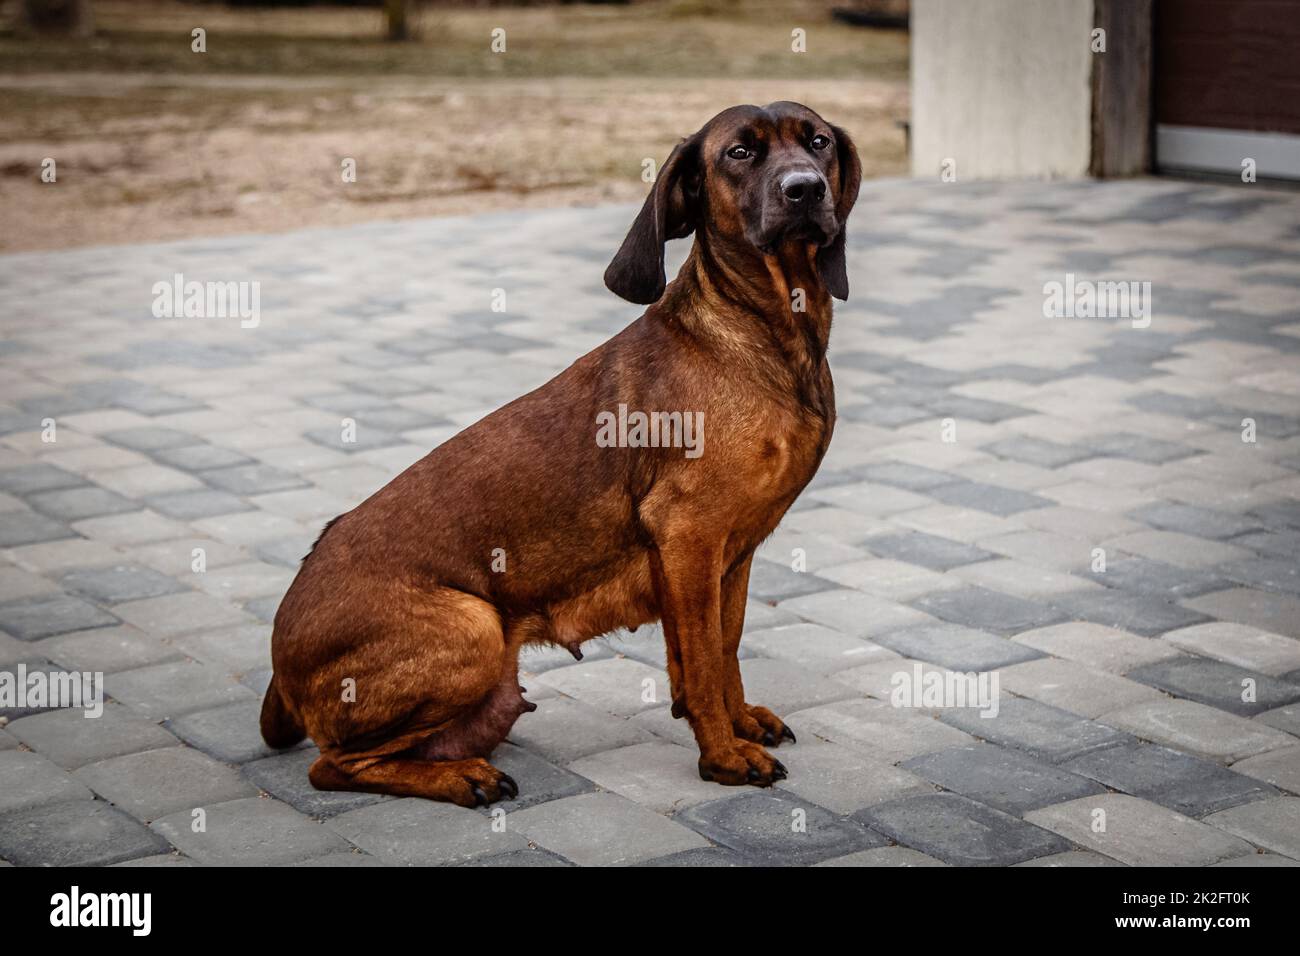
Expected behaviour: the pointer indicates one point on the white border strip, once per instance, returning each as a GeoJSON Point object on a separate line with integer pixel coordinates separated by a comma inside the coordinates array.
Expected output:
{"type": "Point", "coordinates": [1222, 150]}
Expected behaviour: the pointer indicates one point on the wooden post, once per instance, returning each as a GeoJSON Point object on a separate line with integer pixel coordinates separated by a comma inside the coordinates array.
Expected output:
{"type": "Point", "coordinates": [1122, 112]}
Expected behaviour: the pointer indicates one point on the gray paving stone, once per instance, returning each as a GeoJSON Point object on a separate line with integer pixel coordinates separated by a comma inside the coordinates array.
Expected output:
{"type": "Point", "coordinates": [896, 856]}
{"type": "Point", "coordinates": [1037, 451]}
{"type": "Point", "coordinates": [878, 729]}
{"type": "Point", "coordinates": [515, 858]}
{"type": "Point", "coordinates": [1004, 779]}
{"type": "Point", "coordinates": [988, 610]}
{"type": "Point", "coordinates": [769, 581]}
{"type": "Point", "coordinates": [1259, 859]}
{"type": "Point", "coordinates": [777, 830]}
{"type": "Point", "coordinates": [1045, 732]}
{"type": "Point", "coordinates": [841, 779]}
{"type": "Point", "coordinates": [24, 527]}
{"type": "Point", "coordinates": [903, 475]}
{"type": "Point", "coordinates": [199, 457]}
{"type": "Point", "coordinates": [106, 649]}
{"type": "Point", "coordinates": [1280, 767]}
{"type": "Point", "coordinates": [927, 550]}
{"type": "Point", "coordinates": [813, 647]}
{"type": "Point", "coordinates": [249, 832]}
{"type": "Point", "coordinates": [284, 776]}
{"type": "Point", "coordinates": [854, 613]}
{"type": "Point", "coordinates": [161, 859]}
{"type": "Point", "coordinates": [1218, 684]}
{"type": "Point", "coordinates": [184, 612]}
{"type": "Point", "coordinates": [784, 687]}
{"type": "Point", "coordinates": [1189, 519]}
{"type": "Point", "coordinates": [564, 730]}
{"type": "Point", "coordinates": [121, 582]}
{"type": "Point", "coordinates": [959, 831]}
{"type": "Point", "coordinates": [72, 740]}
{"type": "Point", "coordinates": [1158, 580]}
{"type": "Point", "coordinates": [1072, 858]}
{"type": "Point", "coordinates": [174, 689]}
{"type": "Point", "coordinates": [1269, 574]}
{"type": "Point", "coordinates": [956, 647]}
{"type": "Point", "coordinates": [1279, 613]}
{"type": "Point", "coordinates": [1138, 832]}
{"type": "Point", "coordinates": [44, 617]}
{"type": "Point", "coordinates": [711, 856]}
{"type": "Point", "coordinates": [29, 479]}
{"type": "Point", "coordinates": [1175, 780]}
{"type": "Point", "coordinates": [1138, 447]}
{"type": "Point", "coordinates": [415, 832]}
{"type": "Point", "coordinates": [192, 505]}
{"type": "Point", "coordinates": [76, 833]}
{"type": "Point", "coordinates": [1238, 644]}
{"type": "Point", "coordinates": [660, 775]}
{"type": "Point", "coordinates": [1197, 729]}
{"type": "Point", "coordinates": [151, 439]}
{"type": "Point", "coordinates": [1273, 824]}
{"type": "Point", "coordinates": [229, 733]}
{"type": "Point", "coordinates": [602, 829]}
{"type": "Point", "coordinates": [154, 783]}
{"type": "Point", "coordinates": [616, 686]}
{"type": "Point", "coordinates": [252, 479]}
{"type": "Point", "coordinates": [75, 504]}
{"type": "Point", "coordinates": [31, 780]}
{"type": "Point", "coordinates": [1139, 613]}
{"type": "Point", "coordinates": [990, 498]}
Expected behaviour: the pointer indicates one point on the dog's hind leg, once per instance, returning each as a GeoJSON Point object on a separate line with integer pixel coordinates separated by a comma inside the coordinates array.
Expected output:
{"type": "Point", "coordinates": [470, 783]}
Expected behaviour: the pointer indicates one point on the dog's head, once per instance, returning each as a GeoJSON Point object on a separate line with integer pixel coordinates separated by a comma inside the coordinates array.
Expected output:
{"type": "Point", "coordinates": [754, 176]}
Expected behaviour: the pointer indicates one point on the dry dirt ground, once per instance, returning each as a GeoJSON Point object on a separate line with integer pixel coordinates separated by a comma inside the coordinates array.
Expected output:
{"type": "Point", "coordinates": [152, 141]}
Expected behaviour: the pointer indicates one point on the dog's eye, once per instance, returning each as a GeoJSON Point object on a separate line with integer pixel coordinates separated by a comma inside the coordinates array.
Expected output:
{"type": "Point", "coordinates": [820, 142]}
{"type": "Point", "coordinates": [739, 152]}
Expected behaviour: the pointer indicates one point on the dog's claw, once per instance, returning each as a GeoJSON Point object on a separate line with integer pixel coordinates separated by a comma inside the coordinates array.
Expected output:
{"type": "Point", "coordinates": [529, 706]}
{"type": "Point", "coordinates": [768, 738]}
{"type": "Point", "coordinates": [679, 708]}
{"type": "Point", "coordinates": [753, 774]}
{"type": "Point", "coordinates": [781, 768]}
{"type": "Point", "coordinates": [576, 651]}
{"type": "Point", "coordinates": [508, 786]}
{"type": "Point", "coordinates": [480, 798]}
{"type": "Point", "coordinates": [788, 734]}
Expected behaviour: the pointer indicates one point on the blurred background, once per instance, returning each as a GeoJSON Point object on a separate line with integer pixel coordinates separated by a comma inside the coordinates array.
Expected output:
{"type": "Point", "coordinates": [155, 141]}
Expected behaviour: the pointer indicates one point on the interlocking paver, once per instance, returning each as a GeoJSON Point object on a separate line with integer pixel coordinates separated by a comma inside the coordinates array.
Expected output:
{"type": "Point", "coordinates": [248, 832]}
{"type": "Point", "coordinates": [854, 613]}
{"type": "Point", "coordinates": [1138, 832]}
{"type": "Point", "coordinates": [1268, 612]}
{"type": "Point", "coordinates": [959, 831]}
{"type": "Point", "coordinates": [777, 829]}
{"type": "Point", "coordinates": [660, 775]}
{"type": "Point", "coordinates": [173, 689]}
{"type": "Point", "coordinates": [122, 582]}
{"type": "Point", "coordinates": [989, 610]}
{"type": "Point", "coordinates": [1197, 729]}
{"type": "Point", "coordinates": [927, 550]}
{"type": "Point", "coordinates": [284, 776]}
{"type": "Point", "coordinates": [899, 856]}
{"type": "Point", "coordinates": [75, 833]}
{"type": "Point", "coordinates": [413, 832]}
{"type": "Point", "coordinates": [1005, 779]}
{"type": "Point", "coordinates": [1097, 646]}
{"type": "Point", "coordinates": [616, 686]}
{"type": "Point", "coordinates": [154, 783]}
{"type": "Point", "coordinates": [842, 779]}
{"type": "Point", "coordinates": [72, 740]}
{"type": "Point", "coordinates": [31, 780]}
{"type": "Point", "coordinates": [46, 616]}
{"type": "Point", "coordinates": [1220, 685]}
{"type": "Point", "coordinates": [1048, 733]}
{"type": "Point", "coordinates": [956, 647]}
{"type": "Point", "coordinates": [885, 732]}
{"type": "Point", "coordinates": [1175, 780]}
{"type": "Point", "coordinates": [1280, 767]}
{"type": "Point", "coordinates": [602, 829]}
{"type": "Point", "coordinates": [1072, 686]}
{"type": "Point", "coordinates": [814, 648]}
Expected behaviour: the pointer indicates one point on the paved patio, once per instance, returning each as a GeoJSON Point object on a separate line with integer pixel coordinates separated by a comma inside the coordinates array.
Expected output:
{"type": "Point", "coordinates": [1149, 712]}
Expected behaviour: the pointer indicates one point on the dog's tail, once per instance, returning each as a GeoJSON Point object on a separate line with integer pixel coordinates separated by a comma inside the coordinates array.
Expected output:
{"type": "Point", "coordinates": [280, 728]}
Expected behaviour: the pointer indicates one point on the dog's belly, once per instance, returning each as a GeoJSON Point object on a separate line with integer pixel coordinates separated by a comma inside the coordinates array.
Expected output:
{"type": "Point", "coordinates": [625, 599]}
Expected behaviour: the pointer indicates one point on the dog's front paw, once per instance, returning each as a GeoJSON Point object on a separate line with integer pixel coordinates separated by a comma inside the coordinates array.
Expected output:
{"type": "Point", "coordinates": [760, 725]}
{"type": "Point", "coordinates": [742, 763]}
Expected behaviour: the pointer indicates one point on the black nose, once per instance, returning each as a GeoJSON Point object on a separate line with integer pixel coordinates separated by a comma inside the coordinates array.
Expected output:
{"type": "Point", "coordinates": [803, 187]}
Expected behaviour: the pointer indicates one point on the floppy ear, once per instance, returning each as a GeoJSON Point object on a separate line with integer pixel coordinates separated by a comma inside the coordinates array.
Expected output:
{"type": "Point", "coordinates": [636, 272]}
{"type": "Point", "coordinates": [830, 257]}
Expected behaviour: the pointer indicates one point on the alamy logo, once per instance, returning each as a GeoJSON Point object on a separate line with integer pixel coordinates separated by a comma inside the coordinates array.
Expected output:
{"type": "Point", "coordinates": [22, 688]}
{"type": "Point", "coordinates": [1084, 299]}
{"type": "Point", "coordinates": [75, 908]}
{"type": "Point", "coordinates": [179, 299]}
{"type": "Point", "coordinates": [651, 430]}
{"type": "Point", "coordinates": [938, 688]}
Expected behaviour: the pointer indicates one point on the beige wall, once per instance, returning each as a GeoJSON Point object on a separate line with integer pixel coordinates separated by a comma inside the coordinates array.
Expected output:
{"type": "Point", "coordinates": [1002, 87]}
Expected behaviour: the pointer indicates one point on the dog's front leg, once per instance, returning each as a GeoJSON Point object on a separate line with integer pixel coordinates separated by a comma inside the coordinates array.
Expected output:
{"type": "Point", "coordinates": [688, 582]}
{"type": "Point", "coordinates": [749, 721]}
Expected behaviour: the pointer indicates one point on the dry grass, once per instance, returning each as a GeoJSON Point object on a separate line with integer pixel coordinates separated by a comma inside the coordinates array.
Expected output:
{"type": "Point", "coordinates": [155, 142]}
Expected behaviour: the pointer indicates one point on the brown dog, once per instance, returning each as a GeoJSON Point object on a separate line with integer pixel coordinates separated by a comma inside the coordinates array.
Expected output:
{"type": "Point", "coordinates": [396, 648]}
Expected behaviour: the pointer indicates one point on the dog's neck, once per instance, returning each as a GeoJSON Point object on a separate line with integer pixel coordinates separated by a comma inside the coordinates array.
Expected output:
{"type": "Point", "coordinates": [763, 306]}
